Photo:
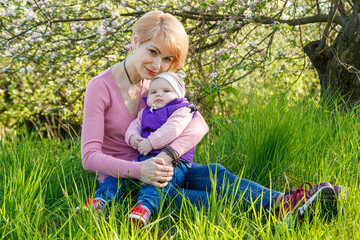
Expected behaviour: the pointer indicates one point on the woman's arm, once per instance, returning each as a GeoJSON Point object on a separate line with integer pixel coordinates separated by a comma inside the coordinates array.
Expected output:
{"type": "Point", "coordinates": [97, 100]}
{"type": "Point", "coordinates": [191, 136]}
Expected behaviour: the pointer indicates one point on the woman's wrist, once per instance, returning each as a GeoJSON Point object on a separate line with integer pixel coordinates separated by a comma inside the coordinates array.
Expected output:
{"type": "Point", "coordinates": [172, 153]}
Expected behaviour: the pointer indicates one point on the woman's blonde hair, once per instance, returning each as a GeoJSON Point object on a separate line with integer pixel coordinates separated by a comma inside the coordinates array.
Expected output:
{"type": "Point", "coordinates": [157, 24]}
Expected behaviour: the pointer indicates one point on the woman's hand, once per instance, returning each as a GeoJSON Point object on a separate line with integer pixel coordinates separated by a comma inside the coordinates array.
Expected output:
{"type": "Point", "coordinates": [154, 171]}
{"type": "Point", "coordinates": [166, 157]}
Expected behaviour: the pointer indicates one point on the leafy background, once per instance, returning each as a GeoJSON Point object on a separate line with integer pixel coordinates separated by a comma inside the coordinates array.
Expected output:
{"type": "Point", "coordinates": [50, 50]}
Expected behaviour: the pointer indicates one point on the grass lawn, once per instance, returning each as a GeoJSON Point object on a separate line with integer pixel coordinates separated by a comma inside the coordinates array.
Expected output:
{"type": "Point", "coordinates": [276, 142]}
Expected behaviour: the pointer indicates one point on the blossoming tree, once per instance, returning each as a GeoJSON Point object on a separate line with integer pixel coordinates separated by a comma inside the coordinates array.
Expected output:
{"type": "Point", "coordinates": [51, 49]}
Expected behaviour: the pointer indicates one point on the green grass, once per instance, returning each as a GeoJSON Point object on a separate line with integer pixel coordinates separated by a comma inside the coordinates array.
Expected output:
{"type": "Point", "coordinates": [274, 141]}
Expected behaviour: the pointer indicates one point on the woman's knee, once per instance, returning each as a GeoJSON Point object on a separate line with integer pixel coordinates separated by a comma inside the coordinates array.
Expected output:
{"type": "Point", "coordinates": [217, 170]}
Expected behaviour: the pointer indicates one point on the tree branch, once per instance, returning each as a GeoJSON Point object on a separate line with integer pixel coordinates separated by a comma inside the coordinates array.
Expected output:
{"type": "Point", "coordinates": [332, 13]}
{"type": "Point", "coordinates": [302, 21]}
{"type": "Point", "coordinates": [342, 9]}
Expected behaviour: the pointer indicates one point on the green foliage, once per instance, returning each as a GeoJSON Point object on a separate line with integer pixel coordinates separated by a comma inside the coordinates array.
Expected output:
{"type": "Point", "coordinates": [50, 51]}
{"type": "Point", "coordinates": [273, 136]}
{"type": "Point", "coordinates": [275, 141]}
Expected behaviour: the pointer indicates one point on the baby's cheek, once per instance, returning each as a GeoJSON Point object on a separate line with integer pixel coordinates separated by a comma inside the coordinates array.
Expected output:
{"type": "Point", "coordinates": [148, 101]}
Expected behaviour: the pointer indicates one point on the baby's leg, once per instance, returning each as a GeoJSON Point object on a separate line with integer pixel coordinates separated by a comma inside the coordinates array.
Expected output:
{"type": "Point", "coordinates": [151, 198]}
{"type": "Point", "coordinates": [110, 189]}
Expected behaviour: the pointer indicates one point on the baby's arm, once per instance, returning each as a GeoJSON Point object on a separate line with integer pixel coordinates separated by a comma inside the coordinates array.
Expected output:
{"type": "Point", "coordinates": [132, 134]}
{"type": "Point", "coordinates": [170, 130]}
{"type": "Point", "coordinates": [144, 147]}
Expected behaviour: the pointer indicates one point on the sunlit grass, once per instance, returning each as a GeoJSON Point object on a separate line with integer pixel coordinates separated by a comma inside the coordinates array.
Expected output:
{"type": "Point", "coordinates": [279, 144]}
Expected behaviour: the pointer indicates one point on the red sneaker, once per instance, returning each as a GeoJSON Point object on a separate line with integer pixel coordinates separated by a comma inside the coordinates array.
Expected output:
{"type": "Point", "coordinates": [300, 200]}
{"type": "Point", "coordinates": [140, 215]}
{"type": "Point", "coordinates": [96, 204]}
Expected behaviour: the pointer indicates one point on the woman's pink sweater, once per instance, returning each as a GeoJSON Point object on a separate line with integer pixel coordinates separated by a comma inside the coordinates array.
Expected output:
{"type": "Point", "coordinates": [105, 120]}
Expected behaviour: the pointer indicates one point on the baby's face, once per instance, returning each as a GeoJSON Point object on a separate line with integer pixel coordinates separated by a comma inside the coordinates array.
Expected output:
{"type": "Point", "coordinates": [160, 93]}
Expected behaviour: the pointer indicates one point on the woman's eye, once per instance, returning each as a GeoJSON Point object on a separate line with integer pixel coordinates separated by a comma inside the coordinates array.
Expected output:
{"type": "Point", "coordinates": [152, 52]}
{"type": "Point", "coordinates": [168, 59]}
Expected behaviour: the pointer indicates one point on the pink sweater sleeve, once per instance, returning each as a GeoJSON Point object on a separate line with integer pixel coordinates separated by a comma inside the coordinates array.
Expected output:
{"type": "Point", "coordinates": [171, 129]}
{"type": "Point", "coordinates": [191, 136]}
{"type": "Point", "coordinates": [102, 152]}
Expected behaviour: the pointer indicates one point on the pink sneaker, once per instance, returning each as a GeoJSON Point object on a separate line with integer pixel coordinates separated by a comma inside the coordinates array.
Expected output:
{"type": "Point", "coordinates": [96, 204]}
{"type": "Point", "coordinates": [140, 216]}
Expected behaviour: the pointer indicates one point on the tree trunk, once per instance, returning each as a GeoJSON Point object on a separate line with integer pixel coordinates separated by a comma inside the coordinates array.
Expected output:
{"type": "Point", "coordinates": [338, 65]}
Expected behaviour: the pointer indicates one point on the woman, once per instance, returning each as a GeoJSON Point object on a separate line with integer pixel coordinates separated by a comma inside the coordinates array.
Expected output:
{"type": "Point", "coordinates": [112, 101]}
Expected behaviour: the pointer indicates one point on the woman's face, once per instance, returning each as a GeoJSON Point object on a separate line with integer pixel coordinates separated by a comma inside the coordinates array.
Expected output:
{"type": "Point", "coordinates": [151, 57]}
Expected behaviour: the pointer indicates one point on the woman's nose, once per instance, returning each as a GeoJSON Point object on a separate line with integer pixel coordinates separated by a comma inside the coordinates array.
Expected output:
{"type": "Point", "coordinates": [156, 63]}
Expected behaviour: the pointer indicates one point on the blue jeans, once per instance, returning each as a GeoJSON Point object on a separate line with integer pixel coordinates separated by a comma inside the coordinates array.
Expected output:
{"type": "Point", "coordinates": [149, 196]}
{"type": "Point", "coordinates": [198, 186]}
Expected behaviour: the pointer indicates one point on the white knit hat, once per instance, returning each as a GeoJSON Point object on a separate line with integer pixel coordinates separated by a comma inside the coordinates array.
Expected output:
{"type": "Point", "coordinates": [176, 80]}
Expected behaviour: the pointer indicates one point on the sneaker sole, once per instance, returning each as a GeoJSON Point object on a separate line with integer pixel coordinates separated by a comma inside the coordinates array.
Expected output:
{"type": "Point", "coordinates": [136, 218]}
{"type": "Point", "coordinates": [328, 201]}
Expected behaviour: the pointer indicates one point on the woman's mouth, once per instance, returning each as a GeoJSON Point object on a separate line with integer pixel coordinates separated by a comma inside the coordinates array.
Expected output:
{"type": "Point", "coordinates": [150, 72]}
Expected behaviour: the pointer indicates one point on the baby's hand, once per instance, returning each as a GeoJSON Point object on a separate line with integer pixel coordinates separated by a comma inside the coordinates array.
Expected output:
{"type": "Point", "coordinates": [144, 147]}
{"type": "Point", "coordinates": [135, 139]}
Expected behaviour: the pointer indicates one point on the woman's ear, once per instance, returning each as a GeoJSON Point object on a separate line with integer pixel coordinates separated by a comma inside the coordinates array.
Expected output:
{"type": "Point", "coordinates": [134, 42]}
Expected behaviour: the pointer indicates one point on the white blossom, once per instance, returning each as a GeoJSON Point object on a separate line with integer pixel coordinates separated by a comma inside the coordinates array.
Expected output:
{"type": "Point", "coordinates": [116, 23]}
{"type": "Point", "coordinates": [213, 75]}
{"type": "Point", "coordinates": [29, 69]}
{"type": "Point", "coordinates": [62, 81]}
{"type": "Point", "coordinates": [30, 15]}
{"type": "Point", "coordinates": [7, 53]}
{"type": "Point", "coordinates": [127, 46]}
{"type": "Point", "coordinates": [5, 68]}
{"type": "Point", "coordinates": [11, 11]}
{"type": "Point", "coordinates": [219, 52]}
{"type": "Point", "coordinates": [36, 35]}
{"type": "Point", "coordinates": [112, 57]}
{"type": "Point", "coordinates": [15, 48]}
{"type": "Point", "coordinates": [104, 6]}
{"type": "Point", "coordinates": [77, 7]}
{"type": "Point", "coordinates": [253, 44]}
{"type": "Point", "coordinates": [115, 14]}
{"type": "Point", "coordinates": [39, 39]}
{"type": "Point", "coordinates": [281, 52]}
{"type": "Point", "coordinates": [78, 60]}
